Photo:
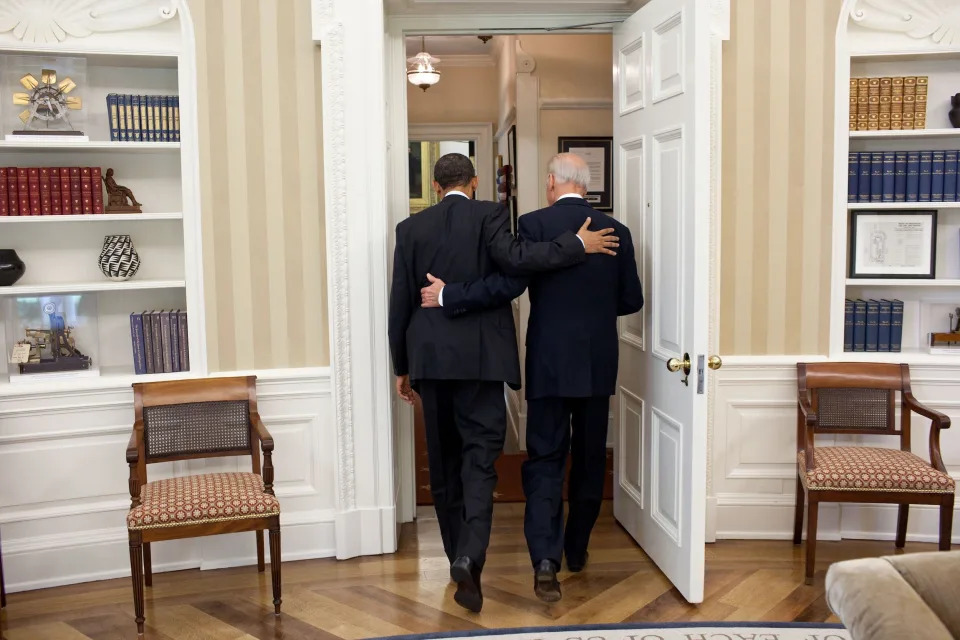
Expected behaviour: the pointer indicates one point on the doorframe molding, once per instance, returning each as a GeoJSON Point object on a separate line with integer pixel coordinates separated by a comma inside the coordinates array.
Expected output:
{"type": "Point", "coordinates": [481, 132]}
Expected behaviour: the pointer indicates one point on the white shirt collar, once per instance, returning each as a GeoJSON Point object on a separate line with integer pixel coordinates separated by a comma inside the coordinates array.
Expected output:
{"type": "Point", "coordinates": [457, 193]}
{"type": "Point", "coordinates": [569, 195]}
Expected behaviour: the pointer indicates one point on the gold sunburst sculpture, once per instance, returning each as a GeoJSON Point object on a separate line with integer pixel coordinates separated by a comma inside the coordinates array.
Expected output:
{"type": "Point", "coordinates": [47, 101]}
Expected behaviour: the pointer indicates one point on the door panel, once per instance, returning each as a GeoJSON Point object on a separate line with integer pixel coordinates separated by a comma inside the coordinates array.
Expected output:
{"type": "Point", "coordinates": [662, 72]}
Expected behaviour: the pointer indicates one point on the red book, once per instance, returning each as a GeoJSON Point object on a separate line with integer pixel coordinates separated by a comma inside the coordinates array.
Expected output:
{"type": "Point", "coordinates": [46, 207]}
{"type": "Point", "coordinates": [56, 200]}
{"type": "Point", "coordinates": [14, 199]}
{"type": "Point", "coordinates": [33, 182]}
{"type": "Point", "coordinates": [95, 177]}
{"type": "Point", "coordinates": [23, 190]}
{"type": "Point", "coordinates": [65, 200]}
{"type": "Point", "coordinates": [4, 196]}
{"type": "Point", "coordinates": [76, 200]}
{"type": "Point", "coordinates": [86, 190]}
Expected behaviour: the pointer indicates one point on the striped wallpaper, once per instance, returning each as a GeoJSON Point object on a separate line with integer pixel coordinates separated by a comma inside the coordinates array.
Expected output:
{"type": "Point", "coordinates": [261, 178]}
{"type": "Point", "coordinates": [777, 182]}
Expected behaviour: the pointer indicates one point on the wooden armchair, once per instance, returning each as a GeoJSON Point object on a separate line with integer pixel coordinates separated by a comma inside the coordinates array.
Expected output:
{"type": "Point", "coordinates": [186, 420]}
{"type": "Point", "coordinates": [859, 399]}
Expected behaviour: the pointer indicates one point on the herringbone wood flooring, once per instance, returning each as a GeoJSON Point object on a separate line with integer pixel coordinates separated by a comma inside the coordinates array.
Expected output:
{"type": "Point", "coordinates": [409, 592]}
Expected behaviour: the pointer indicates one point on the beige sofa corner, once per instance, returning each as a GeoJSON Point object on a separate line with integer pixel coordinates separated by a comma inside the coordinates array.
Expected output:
{"type": "Point", "coordinates": [905, 596]}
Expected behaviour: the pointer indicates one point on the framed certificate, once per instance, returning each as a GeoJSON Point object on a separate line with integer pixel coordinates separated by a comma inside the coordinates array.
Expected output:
{"type": "Point", "coordinates": [895, 244]}
{"type": "Point", "coordinates": [598, 153]}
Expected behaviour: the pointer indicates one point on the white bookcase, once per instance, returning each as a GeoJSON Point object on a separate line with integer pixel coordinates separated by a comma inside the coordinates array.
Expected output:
{"type": "Point", "coordinates": [883, 40]}
{"type": "Point", "coordinates": [61, 252]}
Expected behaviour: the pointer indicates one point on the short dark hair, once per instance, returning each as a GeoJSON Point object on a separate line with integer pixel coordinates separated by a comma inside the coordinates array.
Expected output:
{"type": "Point", "coordinates": [453, 170]}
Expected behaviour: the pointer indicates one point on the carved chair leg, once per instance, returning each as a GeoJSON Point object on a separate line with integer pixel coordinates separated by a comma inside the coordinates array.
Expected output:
{"type": "Point", "coordinates": [798, 514]}
{"type": "Point", "coordinates": [946, 522]}
{"type": "Point", "coordinates": [261, 565]}
{"type": "Point", "coordinates": [136, 575]}
{"type": "Point", "coordinates": [147, 565]}
{"type": "Point", "coordinates": [275, 563]}
{"type": "Point", "coordinates": [902, 515]}
{"type": "Point", "coordinates": [811, 563]}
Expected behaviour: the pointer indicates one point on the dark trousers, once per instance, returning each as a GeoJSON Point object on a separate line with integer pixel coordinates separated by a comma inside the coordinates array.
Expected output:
{"type": "Point", "coordinates": [466, 423]}
{"type": "Point", "coordinates": [549, 441]}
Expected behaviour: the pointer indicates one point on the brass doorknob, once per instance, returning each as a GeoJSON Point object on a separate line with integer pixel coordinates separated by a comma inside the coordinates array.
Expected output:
{"type": "Point", "coordinates": [676, 364]}
{"type": "Point", "coordinates": [714, 362]}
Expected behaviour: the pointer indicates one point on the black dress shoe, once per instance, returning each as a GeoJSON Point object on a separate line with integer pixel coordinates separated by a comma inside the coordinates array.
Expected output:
{"type": "Point", "coordinates": [466, 574]}
{"type": "Point", "coordinates": [576, 563]}
{"type": "Point", "coordinates": [545, 583]}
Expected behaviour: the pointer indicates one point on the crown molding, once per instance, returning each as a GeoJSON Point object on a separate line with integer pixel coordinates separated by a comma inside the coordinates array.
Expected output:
{"type": "Point", "coordinates": [53, 21]}
{"type": "Point", "coordinates": [936, 20]}
{"type": "Point", "coordinates": [467, 60]}
{"type": "Point", "coordinates": [575, 104]}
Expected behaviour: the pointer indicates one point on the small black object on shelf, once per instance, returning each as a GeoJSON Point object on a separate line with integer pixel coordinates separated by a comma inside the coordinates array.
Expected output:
{"type": "Point", "coordinates": [955, 112]}
{"type": "Point", "coordinates": [11, 267]}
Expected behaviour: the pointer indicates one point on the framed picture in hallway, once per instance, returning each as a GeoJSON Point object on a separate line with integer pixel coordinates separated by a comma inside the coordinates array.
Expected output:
{"type": "Point", "coordinates": [598, 153]}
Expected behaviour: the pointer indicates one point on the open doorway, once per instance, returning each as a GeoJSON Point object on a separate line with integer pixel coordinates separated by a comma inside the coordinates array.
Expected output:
{"type": "Point", "coordinates": [661, 124]}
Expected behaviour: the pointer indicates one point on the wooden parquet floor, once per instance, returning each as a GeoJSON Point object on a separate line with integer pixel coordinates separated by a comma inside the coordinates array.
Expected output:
{"type": "Point", "coordinates": [409, 592]}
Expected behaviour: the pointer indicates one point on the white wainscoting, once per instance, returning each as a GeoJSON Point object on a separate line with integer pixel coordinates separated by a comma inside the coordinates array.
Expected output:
{"type": "Point", "coordinates": [753, 466]}
{"type": "Point", "coordinates": [64, 477]}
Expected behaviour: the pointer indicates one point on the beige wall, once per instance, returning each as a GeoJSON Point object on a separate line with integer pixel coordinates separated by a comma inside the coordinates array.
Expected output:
{"type": "Point", "coordinates": [777, 184]}
{"type": "Point", "coordinates": [261, 178]}
{"type": "Point", "coordinates": [464, 94]}
{"type": "Point", "coordinates": [571, 67]}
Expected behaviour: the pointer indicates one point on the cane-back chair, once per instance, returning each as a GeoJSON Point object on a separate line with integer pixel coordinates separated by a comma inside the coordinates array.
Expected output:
{"type": "Point", "coordinates": [860, 399]}
{"type": "Point", "coordinates": [186, 420]}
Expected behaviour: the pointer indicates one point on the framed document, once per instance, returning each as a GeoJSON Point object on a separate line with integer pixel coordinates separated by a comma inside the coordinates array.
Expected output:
{"type": "Point", "coordinates": [896, 244]}
{"type": "Point", "coordinates": [598, 153]}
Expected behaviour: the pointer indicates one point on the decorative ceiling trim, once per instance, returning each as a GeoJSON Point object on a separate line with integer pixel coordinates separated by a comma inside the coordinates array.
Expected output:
{"type": "Point", "coordinates": [467, 60]}
{"type": "Point", "coordinates": [575, 104]}
{"type": "Point", "coordinates": [938, 20]}
{"type": "Point", "coordinates": [53, 21]}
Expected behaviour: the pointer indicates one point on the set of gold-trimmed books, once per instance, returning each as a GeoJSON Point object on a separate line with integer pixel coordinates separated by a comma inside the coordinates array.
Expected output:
{"type": "Point", "coordinates": [880, 104]}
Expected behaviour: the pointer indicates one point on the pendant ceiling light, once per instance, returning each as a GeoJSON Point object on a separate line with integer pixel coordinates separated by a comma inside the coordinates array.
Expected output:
{"type": "Point", "coordinates": [422, 70]}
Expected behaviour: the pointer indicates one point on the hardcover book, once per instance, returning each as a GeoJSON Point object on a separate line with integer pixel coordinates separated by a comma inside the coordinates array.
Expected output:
{"type": "Point", "coordinates": [164, 120]}
{"type": "Point", "coordinates": [76, 199]}
{"type": "Point", "coordinates": [853, 176]}
{"type": "Point", "coordinates": [888, 175]}
{"type": "Point", "coordinates": [896, 325]}
{"type": "Point", "coordinates": [950, 175]}
{"type": "Point", "coordinates": [926, 175]}
{"type": "Point", "coordinates": [864, 181]}
{"type": "Point", "coordinates": [937, 179]}
{"type": "Point", "coordinates": [167, 341]}
{"type": "Point", "coordinates": [848, 325]}
{"type": "Point", "coordinates": [13, 199]}
{"type": "Point", "coordinates": [33, 183]}
{"type": "Point", "coordinates": [96, 178]}
{"type": "Point", "coordinates": [157, 342]}
{"type": "Point", "coordinates": [128, 110]}
{"type": "Point", "coordinates": [23, 189]}
{"type": "Point", "coordinates": [176, 118]}
{"type": "Point", "coordinates": [114, 116]}
{"type": "Point", "coordinates": [122, 131]}
{"type": "Point", "coordinates": [900, 176]}
{"type": "Point", "coordinates": [175, 340]}
{"type": "Point", "coordinates": [66, 197]}
{"type": "Point", "coordinates": [56, 198]}
{"type": "Point", "coordinates": [859, 325]}
{"type": "Point", "coordinates": [147, 319]}
{"type": "Point", "coordinates": [46, 197]}
{"type": "Point", "coordinates": [136, 338]}
{"type": "Point", "coordinates": [913, 176]}
{"type": "Point", "coordinates": [184, 343]}
{"type": "Point", "coordinates": [883, 336]}
{"type": "Point", "coordinates": [135, 109]}
{"type": "Point", "coordinates": [873, 325]}
{"type": "Point", "coordinates": [86, 191]}
{"type": "Point", "coordinates": [876, 176]}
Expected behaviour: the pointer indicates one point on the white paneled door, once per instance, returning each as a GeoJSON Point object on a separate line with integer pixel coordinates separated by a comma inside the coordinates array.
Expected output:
{"type": "Point", "coordinates": [662, 126]}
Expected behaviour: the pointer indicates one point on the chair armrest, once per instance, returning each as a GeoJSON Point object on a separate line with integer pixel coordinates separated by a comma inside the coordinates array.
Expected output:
{"type": "Point", "coordinates": [806, 428]}
{"type": "Point", "coordinates": [266, 440]}
{"type": "Point", "coordinates": [133, 446]}
{"type": "Point", "coordinates": [940, 420]}
{"type": "Point", "coordinates": [809, 416]}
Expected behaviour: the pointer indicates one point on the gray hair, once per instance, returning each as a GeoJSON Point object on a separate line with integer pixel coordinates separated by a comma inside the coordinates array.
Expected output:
{"type": "Point", "coordinates": [569, 167]}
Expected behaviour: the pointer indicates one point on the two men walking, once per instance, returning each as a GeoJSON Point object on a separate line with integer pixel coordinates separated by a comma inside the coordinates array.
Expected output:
{"type": "Point", "coordinates": [455, 344]}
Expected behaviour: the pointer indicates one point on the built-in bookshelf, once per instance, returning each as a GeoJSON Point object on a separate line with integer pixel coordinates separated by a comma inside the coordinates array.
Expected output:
{"type": "Point", "coordinates": [869, 50]}
{"type": "Point", "coordinates": [61, 251]}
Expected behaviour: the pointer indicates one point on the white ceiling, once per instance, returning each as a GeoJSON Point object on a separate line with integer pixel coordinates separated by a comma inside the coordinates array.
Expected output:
{"type": "Point", "coordinates": [441, 46]}
{"type": "Point", "coordinates": [453, 7]}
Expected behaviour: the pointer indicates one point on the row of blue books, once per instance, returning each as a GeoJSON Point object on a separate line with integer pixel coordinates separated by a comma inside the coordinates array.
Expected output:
{"type": "Point", "coordinates": [161, 342]}
{"type": "Point", "coordinates": [144, 118]}
{"type": "Point", "coordinates": [873, 325]}
{"type": "Point", "coordinates": [903, 176]}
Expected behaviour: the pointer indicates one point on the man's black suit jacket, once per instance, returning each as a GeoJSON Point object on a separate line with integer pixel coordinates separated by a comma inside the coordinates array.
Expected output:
{"type": "Point", "coordinates": [572, 341]}
{"type": "Point", "coordinates": [462, 240]}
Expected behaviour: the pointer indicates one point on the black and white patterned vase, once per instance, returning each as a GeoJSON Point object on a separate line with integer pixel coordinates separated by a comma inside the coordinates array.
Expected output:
{"type": "Point", "coordinates": [119, 260]}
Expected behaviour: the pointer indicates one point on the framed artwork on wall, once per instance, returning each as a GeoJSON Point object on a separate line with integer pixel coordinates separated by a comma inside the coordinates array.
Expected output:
{"type": "Point", "coordinates": [893, 244]}
{"type": "Point", "coordinates": [598, 153]}
{"type": "Point", "coordinates": [419, 175]}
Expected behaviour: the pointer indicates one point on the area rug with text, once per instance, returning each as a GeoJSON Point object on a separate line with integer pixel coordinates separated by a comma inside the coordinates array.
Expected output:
{"type": "Point", "coordinates": [662, 631]}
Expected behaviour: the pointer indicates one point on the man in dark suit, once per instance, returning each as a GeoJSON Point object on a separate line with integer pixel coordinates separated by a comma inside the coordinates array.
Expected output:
{"type": "Point", "coordinates": [572, 357]}
{"type": "Point", "coordinates": [459, 365]}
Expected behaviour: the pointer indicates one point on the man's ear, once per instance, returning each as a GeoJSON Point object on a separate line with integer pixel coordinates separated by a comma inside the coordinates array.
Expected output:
{"type": "Point", "coordinates": [437, 188]}
{"type": "Point", "coordinates": [475, 182]}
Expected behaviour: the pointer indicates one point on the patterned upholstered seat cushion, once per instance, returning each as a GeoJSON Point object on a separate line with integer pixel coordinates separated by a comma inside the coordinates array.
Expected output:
{"type": "Point", "coordinates": [212, 497]}
{"type": "Point", "coordinates": [871, 469]}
